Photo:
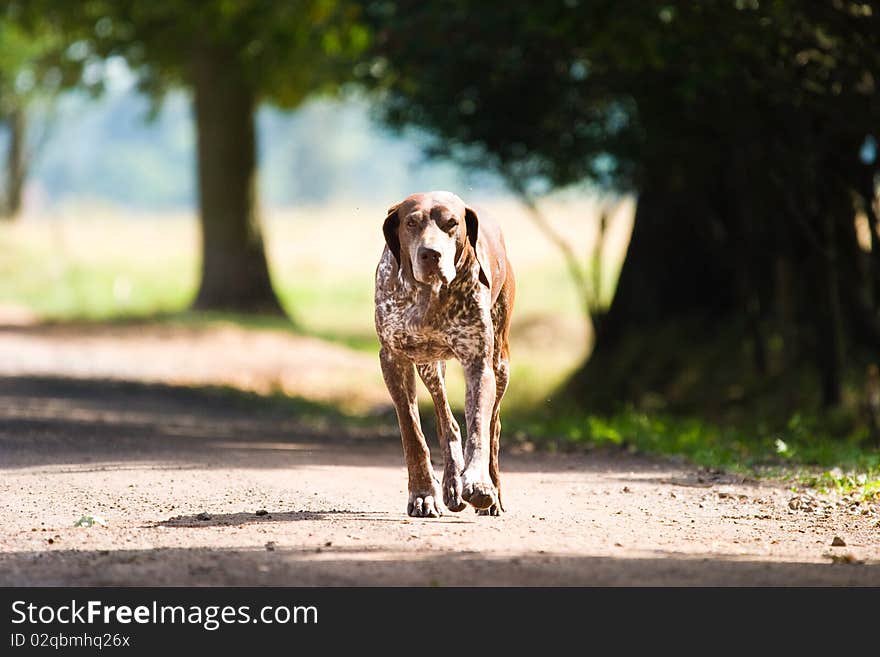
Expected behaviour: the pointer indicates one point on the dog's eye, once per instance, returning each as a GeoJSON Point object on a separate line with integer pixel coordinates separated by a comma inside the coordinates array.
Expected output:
{"type": "Point", "coordinates": [412, 223]}
{"type": "Point", "coordinates": [451, 225]}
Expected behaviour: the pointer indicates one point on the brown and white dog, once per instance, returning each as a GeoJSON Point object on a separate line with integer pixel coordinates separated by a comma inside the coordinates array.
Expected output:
{"type": "Point", "coordinates": [445, 289]}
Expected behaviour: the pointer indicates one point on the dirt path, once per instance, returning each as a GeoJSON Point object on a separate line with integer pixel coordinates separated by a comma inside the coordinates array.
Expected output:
{"type": "Point", "coordinates": [151, 458]}
{"type": "Point", "coordinates": [218, 354]}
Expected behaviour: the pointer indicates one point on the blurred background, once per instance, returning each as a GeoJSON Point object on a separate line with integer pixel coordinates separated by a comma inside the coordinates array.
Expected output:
{"type": "Point", "coordinates": [193, 195]}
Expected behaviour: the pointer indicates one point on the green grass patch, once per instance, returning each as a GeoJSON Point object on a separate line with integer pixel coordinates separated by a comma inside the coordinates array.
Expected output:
{"type": "Point", "coordinates": [60, 289]}
{"type": "Point", "coordinates": [806, 450]}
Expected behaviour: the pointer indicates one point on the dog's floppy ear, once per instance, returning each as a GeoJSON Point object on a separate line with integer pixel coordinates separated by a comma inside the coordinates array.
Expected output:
{"type": "Point", "coordinates": [392, 239]}
{"type": "Point", "coordinates": [473, 231]}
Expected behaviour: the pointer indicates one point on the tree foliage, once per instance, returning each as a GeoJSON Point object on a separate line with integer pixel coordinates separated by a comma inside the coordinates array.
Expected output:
{"type": "Point", "coordinates": [601, 90]}
{"type": "Point", "coordinates": [232, 56]}
{"type": "Point", "coordinates": [287, 51]}
{"type": "Point", "coordinates": [22, 83]}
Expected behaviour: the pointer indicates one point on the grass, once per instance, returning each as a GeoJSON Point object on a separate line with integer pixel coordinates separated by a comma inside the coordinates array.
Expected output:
{"type": "Point", "coordinates": [805, 450]}
{"type": "Point", "coordinates": [89, 265]}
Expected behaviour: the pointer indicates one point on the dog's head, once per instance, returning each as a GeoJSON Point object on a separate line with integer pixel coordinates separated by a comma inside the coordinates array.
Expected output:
{"type": "Point", "coordinates": [431, 236]}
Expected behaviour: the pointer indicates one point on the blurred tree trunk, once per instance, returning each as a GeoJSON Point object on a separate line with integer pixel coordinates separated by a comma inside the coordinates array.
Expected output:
{"type": "Point", "coordinates": [16, 165]}
{"type": "Point", "coordinates": [829, 316]}
{"type": "Point", "coordinates": [670, 268]}
{"type": "Point", "coordinates": [235, 274]}
{"type": "Point", "coordinates": [671, 283]}
{"type": "Point", "coordinates": [867, 190]}
{"type": "Point", "coordinates": [860, 276]}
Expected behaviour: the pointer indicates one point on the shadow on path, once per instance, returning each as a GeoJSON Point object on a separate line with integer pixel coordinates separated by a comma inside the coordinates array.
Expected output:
{"type": "Point", "coordinates": [244, 518]}
{"type": "Point", "coordinates": [94, 425]}
{"type": "Point", "coordinates": [334, 566]}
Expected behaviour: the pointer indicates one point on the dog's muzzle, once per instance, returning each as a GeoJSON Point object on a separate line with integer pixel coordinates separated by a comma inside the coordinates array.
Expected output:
{"type": "Point", "coordinates": [432, 266]}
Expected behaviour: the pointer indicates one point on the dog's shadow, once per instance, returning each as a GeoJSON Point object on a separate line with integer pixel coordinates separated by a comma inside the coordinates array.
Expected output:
{"type": "Point", "coordinates": [205, 519]}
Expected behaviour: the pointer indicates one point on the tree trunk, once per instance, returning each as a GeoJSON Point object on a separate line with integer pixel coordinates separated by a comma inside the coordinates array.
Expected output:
{"type": "Point", "coordinates": [859, 280]}
{"type": "Point", "coordinates": [869, 198]}
{"type": "Point", "coordinates": [671, 268]}
{"type": "Point", "coordinates": [235, 275]}
{"type": "Point", "coordinates": [675, 287]}
{"type": "Point", "coordinates": [829, 317]}
{"type": "Point", "coordinates": [16, 167]}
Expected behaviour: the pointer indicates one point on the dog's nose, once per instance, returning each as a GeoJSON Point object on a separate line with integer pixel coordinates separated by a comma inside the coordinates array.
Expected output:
{"type": "Point", "coordinates": [428, 255]}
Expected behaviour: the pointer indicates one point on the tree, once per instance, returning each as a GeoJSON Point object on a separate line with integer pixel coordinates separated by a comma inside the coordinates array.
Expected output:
{"type": "Point", "coordinates": [232, 55]}
{"type": "Point", "coordinates": [19, 53]}
{"type": "Point", "coordinates": [737, 124]}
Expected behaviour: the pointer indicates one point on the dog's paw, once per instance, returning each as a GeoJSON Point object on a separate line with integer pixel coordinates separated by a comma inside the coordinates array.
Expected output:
{"type": "Point", "coordinates": [452, 493]}
{"type": "Point", "coordinates": [425, 503]}
{"type": "Point", "coordinates": [479, 494]}
{"type": "Point", "coordinates": [494, 510]}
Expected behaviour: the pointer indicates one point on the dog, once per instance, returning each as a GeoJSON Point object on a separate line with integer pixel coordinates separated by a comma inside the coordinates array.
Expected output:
{"type": "Point", "coordinates": [445, 289]}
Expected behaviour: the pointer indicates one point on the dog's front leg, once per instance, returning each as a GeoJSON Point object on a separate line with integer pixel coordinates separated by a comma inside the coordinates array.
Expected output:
{"type": "Point", "coordinates": [433, 376]}
{"type": "Point", "coordinates": [425, 493]}
{"type": "Point", "coordinates": [477, 487]}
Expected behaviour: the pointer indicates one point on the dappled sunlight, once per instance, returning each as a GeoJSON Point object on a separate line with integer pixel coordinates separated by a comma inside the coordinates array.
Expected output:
{"type": "Point", "coordinates": [276, 446]}
{"type": "Point", "coordinates": [240, 487]}
{"type": "Point", "coordinates": [261, 361]}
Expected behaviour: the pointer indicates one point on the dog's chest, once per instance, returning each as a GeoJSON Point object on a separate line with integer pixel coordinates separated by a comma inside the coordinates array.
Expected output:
{"type": "Point", "coordinates": [428, 329]}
